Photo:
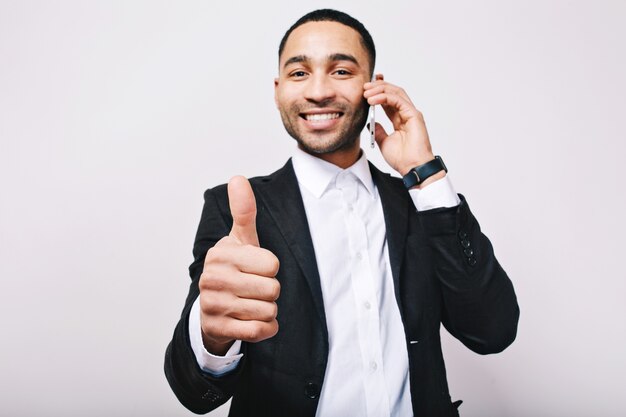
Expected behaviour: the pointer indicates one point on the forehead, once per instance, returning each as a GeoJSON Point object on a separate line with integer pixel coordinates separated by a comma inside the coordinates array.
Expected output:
{"type": "Point", "coordinates": [318, 40]}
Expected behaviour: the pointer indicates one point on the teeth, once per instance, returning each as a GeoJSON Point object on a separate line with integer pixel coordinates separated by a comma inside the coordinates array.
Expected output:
{"type": "Point", "coordinates": [318, 117]}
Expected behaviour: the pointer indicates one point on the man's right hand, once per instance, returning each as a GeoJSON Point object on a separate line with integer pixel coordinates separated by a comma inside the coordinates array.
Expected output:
{"type": "Point", "coordinates": [238, 288]}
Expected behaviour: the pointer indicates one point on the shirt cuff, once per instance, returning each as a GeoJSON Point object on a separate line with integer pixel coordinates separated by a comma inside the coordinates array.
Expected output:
{"type": "Point", "coordinates": [437, 194]}
{"type": "Point", "coordinates": [212, 364]}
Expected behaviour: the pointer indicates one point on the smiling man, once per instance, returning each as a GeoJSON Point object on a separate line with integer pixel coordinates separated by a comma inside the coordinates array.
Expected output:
{"type": "Point", "coordinates": [319, 91]}
{"type": "Point", "coordinates": [320, 289]}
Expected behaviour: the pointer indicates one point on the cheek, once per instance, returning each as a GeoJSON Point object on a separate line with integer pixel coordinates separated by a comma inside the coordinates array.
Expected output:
{"type": "Point", "coordinates": [283, 98]}
{"type": "Point", "coordinates": [279, 99]}
{"type": "Point", "coordinates": [359, 102]}
{"type": "Point", "coordinates": [354, 94]}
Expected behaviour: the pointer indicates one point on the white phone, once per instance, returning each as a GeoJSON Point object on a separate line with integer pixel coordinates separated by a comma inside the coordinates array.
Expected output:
{"type": "Point", "coordinates": [372, 120]}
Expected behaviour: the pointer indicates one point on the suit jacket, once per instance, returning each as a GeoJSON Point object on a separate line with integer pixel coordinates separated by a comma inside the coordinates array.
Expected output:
{"type": "Point", "coordinates": [444, 271]}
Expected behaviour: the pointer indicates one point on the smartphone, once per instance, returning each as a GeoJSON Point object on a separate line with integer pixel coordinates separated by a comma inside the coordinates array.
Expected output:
{"type": "Point", "coordinates": [373, 121]}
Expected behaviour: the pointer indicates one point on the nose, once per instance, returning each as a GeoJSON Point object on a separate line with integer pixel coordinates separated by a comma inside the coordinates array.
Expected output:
{"type": "Point", "coordinates": [319, 88]}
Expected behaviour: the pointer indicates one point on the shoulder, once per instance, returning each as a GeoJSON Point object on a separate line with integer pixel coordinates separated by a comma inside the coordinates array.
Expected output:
{"type": "Point", "coordinates": [285, 173]}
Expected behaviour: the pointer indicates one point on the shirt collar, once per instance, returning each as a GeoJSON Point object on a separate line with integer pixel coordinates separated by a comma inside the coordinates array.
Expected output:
{"type": "Point", "coordinates": [316, 175]}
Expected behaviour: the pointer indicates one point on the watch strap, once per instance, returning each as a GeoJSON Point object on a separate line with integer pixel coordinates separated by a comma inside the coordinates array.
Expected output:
{"type": "Point", "coordinates": [420, 173]}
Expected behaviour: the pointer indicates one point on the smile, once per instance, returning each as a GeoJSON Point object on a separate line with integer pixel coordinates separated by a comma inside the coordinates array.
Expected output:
{"type": "Point", "coordinates": [321, 116]}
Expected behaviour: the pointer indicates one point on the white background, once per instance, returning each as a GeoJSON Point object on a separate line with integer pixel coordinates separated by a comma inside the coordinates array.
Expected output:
{"type": "Point", "coordinates": [115, 116]}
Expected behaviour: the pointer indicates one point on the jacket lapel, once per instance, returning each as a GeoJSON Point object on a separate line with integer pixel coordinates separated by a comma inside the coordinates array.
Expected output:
{"type": "Point", "coordinates": [281, 196]}
{"type": "Point", "coordinates": [396, 205]}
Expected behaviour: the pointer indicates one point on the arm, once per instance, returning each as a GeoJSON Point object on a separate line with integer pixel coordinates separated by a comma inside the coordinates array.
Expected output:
{"type": "Point", "coordinates": [479, 303]}
{"type": "Point", "coordinates": [195, 389]}
{"type": "Point", "coordinates": [232, 278]}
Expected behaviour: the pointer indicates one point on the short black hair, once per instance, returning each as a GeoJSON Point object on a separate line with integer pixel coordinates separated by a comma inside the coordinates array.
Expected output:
{"type": "Point", "coordinates": [330, 15]}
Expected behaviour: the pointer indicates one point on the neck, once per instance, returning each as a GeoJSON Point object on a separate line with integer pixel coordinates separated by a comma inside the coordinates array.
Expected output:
{"type": "Point", "coordinates": [343, 158]}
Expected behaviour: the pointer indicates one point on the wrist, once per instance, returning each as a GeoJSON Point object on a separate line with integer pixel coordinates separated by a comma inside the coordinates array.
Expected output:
{"type": "Point", "coordinates": [216, 348]}
{"type": "Point", "coordinates": [415, 162]}
{"type": "Point", "coordinates": [430, 180]}
{"type": "Point", "coordinates": [424, 174]}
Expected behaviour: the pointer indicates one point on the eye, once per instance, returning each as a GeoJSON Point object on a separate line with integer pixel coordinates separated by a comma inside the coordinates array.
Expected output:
{"type": "Point", "coordinates": [298, 74]}
{"type": "Point", "coordinates": [342, 73]}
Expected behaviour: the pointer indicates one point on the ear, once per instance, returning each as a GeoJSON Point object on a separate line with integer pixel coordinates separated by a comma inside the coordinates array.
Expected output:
{"type": "Point", "coordinates": [276, 91]}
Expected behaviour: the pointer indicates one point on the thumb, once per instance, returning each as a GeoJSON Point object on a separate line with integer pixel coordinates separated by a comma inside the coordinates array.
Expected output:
{"type": "Point", "coordinates": [380, 134]}
{"type": "Point", "coordinates": [243, 210]}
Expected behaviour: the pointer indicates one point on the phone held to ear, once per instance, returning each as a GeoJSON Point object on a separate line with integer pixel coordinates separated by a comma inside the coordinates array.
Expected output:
{"type": "Point", "coordinates": [372, 122]}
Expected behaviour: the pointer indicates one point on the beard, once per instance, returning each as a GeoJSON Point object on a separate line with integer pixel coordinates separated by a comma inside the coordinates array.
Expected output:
{"type": "Point", "coordinates": [344, 137]}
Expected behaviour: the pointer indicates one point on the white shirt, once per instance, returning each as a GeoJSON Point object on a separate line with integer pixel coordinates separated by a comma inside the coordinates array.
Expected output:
{"type": "Point", "coordinates": [366, 336]}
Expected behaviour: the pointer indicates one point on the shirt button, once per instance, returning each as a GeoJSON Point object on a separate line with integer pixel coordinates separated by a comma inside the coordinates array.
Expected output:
{"type": "Point", "coordinates": [350, 207]}
{"type": "Point", "coordinates": [359, 256]}
{"type": "Point", "coordinates": [373, 365]}
{"type": "Point", "coordinates": [367, 305]}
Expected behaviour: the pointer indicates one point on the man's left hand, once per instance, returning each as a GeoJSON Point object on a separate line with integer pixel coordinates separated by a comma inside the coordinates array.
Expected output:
{"type": "Point", "coordinates": [408, 146]}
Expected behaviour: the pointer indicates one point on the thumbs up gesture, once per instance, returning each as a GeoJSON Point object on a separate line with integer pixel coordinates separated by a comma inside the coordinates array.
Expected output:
{"type": "Point", "coordinates": [238, 288]}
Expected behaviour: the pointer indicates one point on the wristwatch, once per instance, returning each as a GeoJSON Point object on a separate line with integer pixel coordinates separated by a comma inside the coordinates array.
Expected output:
{"type": "Point", "coordinates": [418, 175]}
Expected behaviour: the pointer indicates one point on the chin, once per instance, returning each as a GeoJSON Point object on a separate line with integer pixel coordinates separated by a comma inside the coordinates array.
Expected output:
{"type": "Point", "coordinates": [320, 147]}
{"type": "Point", "coordinates": [343, 137]}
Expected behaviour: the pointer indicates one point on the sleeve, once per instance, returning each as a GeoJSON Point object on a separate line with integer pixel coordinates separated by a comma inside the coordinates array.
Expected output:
{"type": "Point", "coordinates": [197, 390]}
{"type": "Point", "coordinates": [479, 303]}
{"type": "Point", "coordinates": [212, 364]}
{"type": "Point", "coordinates": [438, 194]}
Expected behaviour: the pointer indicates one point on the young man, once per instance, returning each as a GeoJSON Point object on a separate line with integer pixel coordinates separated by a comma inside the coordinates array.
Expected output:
{"type": "Point", "coordinates": [320, 289]}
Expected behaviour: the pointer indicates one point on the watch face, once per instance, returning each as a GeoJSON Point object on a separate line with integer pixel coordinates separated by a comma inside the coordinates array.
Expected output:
{"type": "Point", "coordinates": [411, 179]}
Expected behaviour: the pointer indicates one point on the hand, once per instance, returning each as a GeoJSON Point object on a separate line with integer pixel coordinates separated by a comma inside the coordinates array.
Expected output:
{"type": "Point", "coordinates": [238, 291]}
{"type": "Point", "coordinates": [408, 146]}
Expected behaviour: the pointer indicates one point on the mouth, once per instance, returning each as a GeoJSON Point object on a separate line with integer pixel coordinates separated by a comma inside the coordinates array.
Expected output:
{"type": "Point", "coordinates": [320, 117]}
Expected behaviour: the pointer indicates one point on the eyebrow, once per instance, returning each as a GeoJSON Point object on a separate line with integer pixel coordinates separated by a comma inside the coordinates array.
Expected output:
{"type": "Point", "coordinates": [332, 57]}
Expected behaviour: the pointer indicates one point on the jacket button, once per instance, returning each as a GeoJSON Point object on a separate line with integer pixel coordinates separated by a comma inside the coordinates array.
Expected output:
{"type": "Point", "coordinates": [312, 390]}
{"type": "Point", "coordinates": [471, 261]}
{"type": "Point", "coordinates": [211, 396]}
{"type": "Point", "coordinates": [468, 252]}
{"type": "Point", "coordinates": [465, 243]}
{"type": "Point", "coordinates": [462, 234]}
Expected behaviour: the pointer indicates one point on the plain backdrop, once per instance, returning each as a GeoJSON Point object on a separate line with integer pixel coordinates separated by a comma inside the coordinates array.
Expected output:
{"type": "Point", "coordinates": [115, 116]}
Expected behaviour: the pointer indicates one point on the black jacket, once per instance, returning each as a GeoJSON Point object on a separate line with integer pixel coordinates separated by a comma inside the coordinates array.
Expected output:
{"type": "Point", "coordinates": [444, 271]}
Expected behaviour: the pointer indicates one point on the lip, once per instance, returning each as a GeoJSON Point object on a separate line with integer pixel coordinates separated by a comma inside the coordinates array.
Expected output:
{"type": "Point", "coordinates": [321, 124]}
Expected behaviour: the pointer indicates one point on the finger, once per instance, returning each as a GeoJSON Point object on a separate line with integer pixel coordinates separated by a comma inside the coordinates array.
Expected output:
{"type": "Point", "coordinates": [220, 305]}
{"type": "Point", "coordinates": [243, 210]}
{"type": "Point", "coordinates": [247, 258]}
{"type": "Point", "coordinates": [378, 88]}
{"type": "Point", "coordinates": [380, 134]}
{"type": "Point", "coordinates": [227, 328]}
{"type": "Point", "coordinates": [377, 77]}
{"type": "Point", "coordinates": [247, 309]}
{"type": "Point", "coordinates": [371, 89]}
{"type": "Point", "coordinates": [224, 279]}
{"type": "Point", "coordinates": [393, 105]}
{"type": "Point", "coordinates": [254, 331]}
{"type": "Point", "coordinates": [256, 287]}
{"type": "Point", "coordinates": [384, 87]}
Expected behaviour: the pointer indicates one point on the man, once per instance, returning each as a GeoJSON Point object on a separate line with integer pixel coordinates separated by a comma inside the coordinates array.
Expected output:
{"type": "Point", "coordinates": [320, 289]}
